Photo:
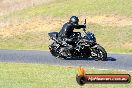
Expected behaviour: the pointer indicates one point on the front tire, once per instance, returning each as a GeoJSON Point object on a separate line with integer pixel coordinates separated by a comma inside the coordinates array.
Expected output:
{"type": "Point", "coordinates": [100, 52]}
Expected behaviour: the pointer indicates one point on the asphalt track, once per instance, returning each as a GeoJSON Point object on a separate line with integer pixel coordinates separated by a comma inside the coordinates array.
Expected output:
{"type": "Point", "coordinates": [114, 61]}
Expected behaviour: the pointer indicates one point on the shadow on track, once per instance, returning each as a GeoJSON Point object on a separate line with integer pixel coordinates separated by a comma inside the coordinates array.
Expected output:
{"type": "Point", "coordinates": [110, 59]}
{"type": "Point", "coordinates": [91, 59]}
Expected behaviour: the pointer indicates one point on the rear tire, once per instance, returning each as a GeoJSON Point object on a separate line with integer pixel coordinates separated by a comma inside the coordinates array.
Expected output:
{"type": "Point", "coordinates": [56, 52]}
{"type": "Point", "coordinates": [57, 55]}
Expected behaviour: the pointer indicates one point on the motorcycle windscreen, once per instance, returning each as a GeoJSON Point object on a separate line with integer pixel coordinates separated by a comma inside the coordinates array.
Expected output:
{"type": "Point", "coordinates": [90, 37]}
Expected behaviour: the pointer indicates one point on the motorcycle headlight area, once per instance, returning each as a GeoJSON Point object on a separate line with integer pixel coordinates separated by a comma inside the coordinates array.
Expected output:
{"type": "Point", "coordinates": [90, 37]}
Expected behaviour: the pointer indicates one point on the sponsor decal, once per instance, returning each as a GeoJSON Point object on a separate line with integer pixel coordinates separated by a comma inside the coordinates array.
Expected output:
{"type": "Point", "coordinates": [83, 78]}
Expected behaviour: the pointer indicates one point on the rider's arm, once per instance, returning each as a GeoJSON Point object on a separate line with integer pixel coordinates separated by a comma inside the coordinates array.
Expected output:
{"type": "Point", "coordinates": [80, 26]}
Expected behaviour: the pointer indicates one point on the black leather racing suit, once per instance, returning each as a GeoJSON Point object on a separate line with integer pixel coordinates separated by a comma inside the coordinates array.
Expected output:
{"type": "Point", "coordinates": [67, 31]}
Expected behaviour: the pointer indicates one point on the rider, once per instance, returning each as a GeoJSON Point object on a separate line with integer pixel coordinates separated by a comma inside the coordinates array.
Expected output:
{"type": "Point", "coordinates": [67, 30]}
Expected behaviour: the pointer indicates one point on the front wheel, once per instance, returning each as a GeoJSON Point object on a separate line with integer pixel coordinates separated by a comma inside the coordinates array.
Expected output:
{"type": "Point", "coordinates": [99, 52]}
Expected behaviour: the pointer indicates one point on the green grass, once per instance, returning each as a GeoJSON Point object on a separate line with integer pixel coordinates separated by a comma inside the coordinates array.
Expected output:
{"type": "Point", "coordinates": [31, 40]}
{"type": "Point", "coordinates": [66, 8]}
{"type": "Point", "coordinates": [14, 75]}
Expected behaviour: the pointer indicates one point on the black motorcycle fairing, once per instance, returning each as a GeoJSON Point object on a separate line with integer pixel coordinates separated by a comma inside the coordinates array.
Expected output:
{"type": "Point", "coordinates": [90, 37]}
{"type": "Point", "coordinates": [82, 52]}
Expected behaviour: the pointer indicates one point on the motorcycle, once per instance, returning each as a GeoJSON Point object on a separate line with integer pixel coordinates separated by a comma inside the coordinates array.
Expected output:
{"type": "Point", "coordinates": [85, 46]}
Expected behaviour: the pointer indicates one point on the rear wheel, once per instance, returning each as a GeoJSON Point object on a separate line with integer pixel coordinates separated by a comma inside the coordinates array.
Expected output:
{"type": "Point", "coordinates": [56, 51]}
{"type": "Point", "coordinates": [53, 51]}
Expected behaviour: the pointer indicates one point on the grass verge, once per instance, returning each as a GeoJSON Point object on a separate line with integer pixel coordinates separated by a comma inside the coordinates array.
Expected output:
{"type": "Point", "coordinates": [13, 75]}
{"type": "Point", "coordinates": [80, 7]}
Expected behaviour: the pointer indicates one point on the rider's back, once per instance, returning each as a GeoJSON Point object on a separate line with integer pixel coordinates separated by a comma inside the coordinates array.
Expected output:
{"type": "Point", "coordinates": [66, 31]}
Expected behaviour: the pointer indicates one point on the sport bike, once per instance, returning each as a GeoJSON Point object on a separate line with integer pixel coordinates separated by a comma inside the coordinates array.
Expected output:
{"type": "Point", "coordinates": [83, 45]}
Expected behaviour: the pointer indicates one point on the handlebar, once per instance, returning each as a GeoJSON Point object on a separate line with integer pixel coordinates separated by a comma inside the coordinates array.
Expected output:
{"type": "Point", "coordinates": [84, 29]}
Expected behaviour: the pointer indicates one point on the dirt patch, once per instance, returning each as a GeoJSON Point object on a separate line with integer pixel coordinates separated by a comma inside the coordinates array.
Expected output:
{"type": "Point", "coordinates": [46, 24]}
{"type": "Point", "coordinates": [33, 25]}
{"type": "Point", "coordinates": [109, 20]}
{"type": "Point", "coordinates": [127, 45]}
